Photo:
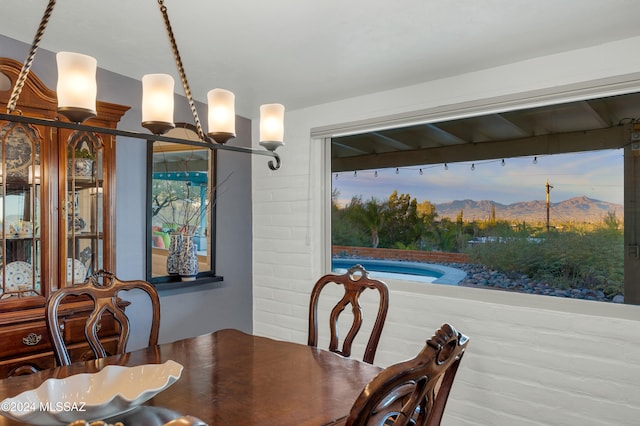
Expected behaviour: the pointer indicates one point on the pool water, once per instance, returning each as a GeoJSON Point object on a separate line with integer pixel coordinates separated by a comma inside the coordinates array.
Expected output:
{"type": "Point", "coordinates": [395, 269]}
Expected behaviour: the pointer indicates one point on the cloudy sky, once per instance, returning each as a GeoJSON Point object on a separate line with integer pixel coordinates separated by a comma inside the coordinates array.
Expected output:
{"type": "Point", "coordinates": [595, 174]}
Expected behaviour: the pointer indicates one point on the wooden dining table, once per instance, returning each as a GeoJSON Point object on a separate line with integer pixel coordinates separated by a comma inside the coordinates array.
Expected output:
{"type": "Point", "coordinates": [230, 377]}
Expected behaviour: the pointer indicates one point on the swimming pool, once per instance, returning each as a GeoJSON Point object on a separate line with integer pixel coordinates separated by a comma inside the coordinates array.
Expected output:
{"type": "Point", "coordinates": [402, 270]}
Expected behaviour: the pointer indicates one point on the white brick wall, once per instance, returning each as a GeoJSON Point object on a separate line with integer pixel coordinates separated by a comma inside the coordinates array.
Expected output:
{"type": "Point", "coordinates": [532, 360]}
{"type": "Point", "coordinates": [524, 365]}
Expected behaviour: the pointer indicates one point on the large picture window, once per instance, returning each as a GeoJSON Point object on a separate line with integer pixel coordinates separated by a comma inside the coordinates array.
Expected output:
{"type": "Point", "coordinates": [539, 200]}
{"type": "Point", "coordinates": [529, 224]}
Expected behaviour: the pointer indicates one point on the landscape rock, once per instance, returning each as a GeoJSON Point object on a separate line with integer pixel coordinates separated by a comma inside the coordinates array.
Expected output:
{"type": "Point", "coordinates": [483, 277]}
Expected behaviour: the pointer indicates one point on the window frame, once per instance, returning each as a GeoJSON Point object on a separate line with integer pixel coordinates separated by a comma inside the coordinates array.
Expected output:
{"type": "Point", "coordinates": [203, 277]}
{"type": "Point", "coordinates": [497, 105]}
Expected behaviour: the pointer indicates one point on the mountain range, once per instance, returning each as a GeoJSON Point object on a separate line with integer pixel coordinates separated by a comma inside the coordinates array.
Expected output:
{"type": "Point", "coordinates": [577, 209]}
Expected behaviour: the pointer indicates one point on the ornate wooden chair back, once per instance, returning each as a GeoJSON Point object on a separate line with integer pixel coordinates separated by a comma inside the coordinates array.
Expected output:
{"type": "Point", "coordinates": [413, 392]}
{"type": "Point", "coordinates": [355, 281]}
{"type": "Point", "coordinates": [102, 288]}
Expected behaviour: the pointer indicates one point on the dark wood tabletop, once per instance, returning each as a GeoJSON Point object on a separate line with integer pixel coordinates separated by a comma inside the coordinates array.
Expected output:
{"type": "Point", "coordinates": [230, 377]}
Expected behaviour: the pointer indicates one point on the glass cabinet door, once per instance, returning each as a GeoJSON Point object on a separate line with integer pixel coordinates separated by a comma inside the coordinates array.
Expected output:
{"type": "Point", "coordinates": [20, 203]}
{"type": "Point", "coordinates": [84, 206]}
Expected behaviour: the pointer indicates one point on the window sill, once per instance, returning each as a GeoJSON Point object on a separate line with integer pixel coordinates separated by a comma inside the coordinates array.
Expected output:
{"type": "Point", "coordinates": [170, 283]}
{"type": "Point", "coordinates": [519, 300]}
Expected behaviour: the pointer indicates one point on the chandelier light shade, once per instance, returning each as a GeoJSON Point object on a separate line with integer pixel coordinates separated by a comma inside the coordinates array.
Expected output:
{"type": "Point", "coordinates": [157, 103]}
{"type": "Point", "coordinates": [272, 126]}
{"type": "Point", "coordinates": [76, 88]}
{"type": "Point", "coordinates": [222, 115]}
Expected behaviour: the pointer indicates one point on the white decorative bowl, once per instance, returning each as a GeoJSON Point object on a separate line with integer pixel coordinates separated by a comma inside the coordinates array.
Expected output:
{"type": "Point", "coordinates": [91, 396]}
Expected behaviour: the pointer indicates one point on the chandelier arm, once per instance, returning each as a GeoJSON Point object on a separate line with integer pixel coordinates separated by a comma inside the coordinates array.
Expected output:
{"type": "Point", "coordinates": [59, 124]}
{"type": "Point", "coordinates": [22, 77]}
{"type": "Point", "coordinates": [183, 76]}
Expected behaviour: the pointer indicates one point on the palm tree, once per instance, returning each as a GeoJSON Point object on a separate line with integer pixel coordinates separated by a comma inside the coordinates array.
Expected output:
{"type": "Point", "coordinates": [373, 219]}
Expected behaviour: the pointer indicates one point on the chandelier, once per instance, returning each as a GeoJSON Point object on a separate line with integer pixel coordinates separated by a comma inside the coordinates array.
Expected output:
{"type": "Point", "coordinates": [77, 93]}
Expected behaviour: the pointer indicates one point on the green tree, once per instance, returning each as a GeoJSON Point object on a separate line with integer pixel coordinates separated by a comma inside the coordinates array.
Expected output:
{"type": "Point", "coordinates": [373, 219]}
{"type": "Point", "coordinates": [427, 210]}
{"type": "Point", "coordinates": [365, 217]}
{"type": "Point", "coordinates": [401, 217]}
{"type": "Point", "coordinates": [444, 235]}
{"type": "Point", "coordinates": [611, 221]}
{"type": "Point", "coordinates": [425, 223]}
{"type": "Point", "coordinates": [346, 229]}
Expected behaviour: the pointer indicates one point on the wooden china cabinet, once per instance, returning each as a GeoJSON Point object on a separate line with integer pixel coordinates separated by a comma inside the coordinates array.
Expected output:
{"type": "Point", "coordinates": [57, 192]}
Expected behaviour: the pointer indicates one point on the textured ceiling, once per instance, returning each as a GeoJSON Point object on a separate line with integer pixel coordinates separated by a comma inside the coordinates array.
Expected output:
{"type": "Point", "coordinates": [304, 53]}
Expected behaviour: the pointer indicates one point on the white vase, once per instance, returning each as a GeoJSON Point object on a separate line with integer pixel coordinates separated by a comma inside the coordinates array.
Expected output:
{"type": "Point", "coordinates": [188, 259]}
{"type": "Point", "coordinates": [81, 167]}
{"type": "Point", "coordinates": [173, 256]}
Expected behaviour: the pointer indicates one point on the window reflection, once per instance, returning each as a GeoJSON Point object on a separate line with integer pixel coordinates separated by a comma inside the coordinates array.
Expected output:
{"type": "Point", "coordinates": [20, 248]}
{"type": "Point", "coordinates": [179, 204]}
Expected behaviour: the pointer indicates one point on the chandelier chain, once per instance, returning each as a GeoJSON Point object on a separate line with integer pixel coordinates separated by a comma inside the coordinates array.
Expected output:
{"type": "Point", "coordinates": [22, 77]}
{"type": "Point", "coordinates": [183, 76]}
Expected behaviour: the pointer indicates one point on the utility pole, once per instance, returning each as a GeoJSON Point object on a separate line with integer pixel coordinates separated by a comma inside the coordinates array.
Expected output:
{"type": "Point", "coordinates": [548, 188]}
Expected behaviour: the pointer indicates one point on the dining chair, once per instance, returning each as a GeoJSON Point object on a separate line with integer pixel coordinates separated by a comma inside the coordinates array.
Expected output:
{"type": "Point", "coordinates": [355, 281]}
{"type": "Point", "coordinates": [413, 392]}
{"type": "Point", "coordinates": [102, 288]}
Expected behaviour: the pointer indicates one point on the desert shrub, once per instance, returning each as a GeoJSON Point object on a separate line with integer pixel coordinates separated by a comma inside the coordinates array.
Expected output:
{"type": "Point", "coordinates": [576, 258]}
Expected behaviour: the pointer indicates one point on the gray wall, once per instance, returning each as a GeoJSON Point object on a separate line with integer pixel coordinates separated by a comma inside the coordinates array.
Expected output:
{"type": "Point", "coordinates": [189, 311]}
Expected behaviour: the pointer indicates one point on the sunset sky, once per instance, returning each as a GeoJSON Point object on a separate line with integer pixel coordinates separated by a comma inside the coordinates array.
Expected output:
{"type": "Point", "coordinates": [595, 174]}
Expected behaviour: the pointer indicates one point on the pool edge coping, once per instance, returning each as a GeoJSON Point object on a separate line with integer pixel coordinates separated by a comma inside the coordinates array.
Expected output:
{"type": "Point", "coordinates": [450, 276]}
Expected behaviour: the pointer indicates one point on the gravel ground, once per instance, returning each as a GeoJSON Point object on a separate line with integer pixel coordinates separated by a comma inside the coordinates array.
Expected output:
{"type": "Point", "coordinates": [483, 277]}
